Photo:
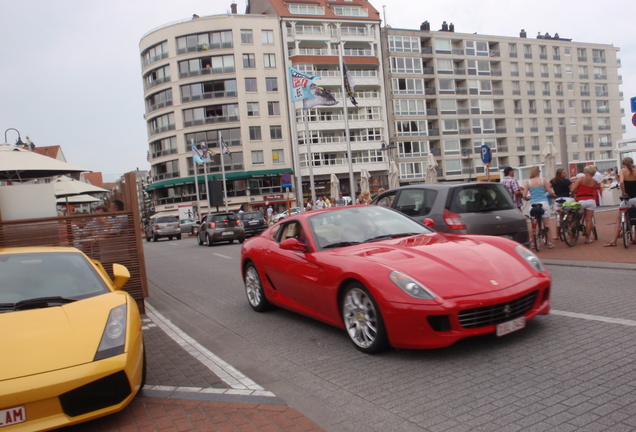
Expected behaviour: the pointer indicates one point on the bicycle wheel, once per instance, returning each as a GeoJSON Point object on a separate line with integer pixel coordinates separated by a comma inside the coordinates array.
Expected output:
{"type": "Point", "coordinates": [626, 231]}
{"type": "Point", "coordinates": [536, 236]}
{"type": "Point", "coordinates": [543, 232]}
{"type": "Point", "coordinates": [570, 230]}
{"type": "Point", "coordinates": [594, 232]}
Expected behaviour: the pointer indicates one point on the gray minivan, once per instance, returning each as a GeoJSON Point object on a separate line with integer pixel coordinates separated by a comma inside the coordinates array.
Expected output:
{"type": "Point", "coordinates": [461, 208]}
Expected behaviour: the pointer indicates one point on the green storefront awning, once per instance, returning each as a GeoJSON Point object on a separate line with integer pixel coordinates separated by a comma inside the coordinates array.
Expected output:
{"type": "Point", "coordinates": [232, 175]}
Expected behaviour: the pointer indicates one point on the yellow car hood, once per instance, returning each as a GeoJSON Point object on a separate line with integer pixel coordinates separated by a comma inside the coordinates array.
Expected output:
{"type": "Point", "coordinates": [42, 340]}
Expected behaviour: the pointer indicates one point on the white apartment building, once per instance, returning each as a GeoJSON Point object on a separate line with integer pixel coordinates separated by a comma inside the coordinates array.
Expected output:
{"type": "Point", "coordinates": [317, 37]}
{"type": "Point", "coordinates": [214, 77]}
{"type": "Point", "coordinates": [449, 93]}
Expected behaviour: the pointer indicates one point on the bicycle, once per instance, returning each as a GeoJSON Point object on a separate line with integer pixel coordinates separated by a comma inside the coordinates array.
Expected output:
{"type": "Point", "coordinates": [573, 223]}
{"type": "Point", "coordinates": [627, 228]}
{"type": "Point", "coordinates": [539, 232]}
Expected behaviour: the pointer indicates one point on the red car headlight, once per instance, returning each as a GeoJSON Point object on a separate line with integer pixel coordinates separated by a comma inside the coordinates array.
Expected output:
{"type": "Point", "coordinates": [411, 286]}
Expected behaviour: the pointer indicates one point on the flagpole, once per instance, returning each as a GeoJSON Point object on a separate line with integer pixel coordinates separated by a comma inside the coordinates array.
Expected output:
{"type": "Point", "coordinates": [223, 175]}
{"type": "Point", "coordinates": [196, 182]}
{"type": "Point", "coordinates": [310, 159]}
{"type": "Point", "coordinates": [207, 188]}
{"type": "Point", "coordinates": [352, 180]}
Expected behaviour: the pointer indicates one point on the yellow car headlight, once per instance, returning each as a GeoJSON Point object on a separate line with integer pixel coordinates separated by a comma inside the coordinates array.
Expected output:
{"type": "Point", "coordinates": [114, 336]}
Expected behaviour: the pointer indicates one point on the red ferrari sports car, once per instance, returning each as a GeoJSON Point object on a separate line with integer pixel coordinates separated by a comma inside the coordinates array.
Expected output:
{"type": "Point", "coordinates": [390, 281]}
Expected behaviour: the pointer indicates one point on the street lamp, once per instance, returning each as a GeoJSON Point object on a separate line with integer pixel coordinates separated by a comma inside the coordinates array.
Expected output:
{"type": "Point", "coordinates": [388, 148]}
{"type": "Point", "coordinates": [18, 142]}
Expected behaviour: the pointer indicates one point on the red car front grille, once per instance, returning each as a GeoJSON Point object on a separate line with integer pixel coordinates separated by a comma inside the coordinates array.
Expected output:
{"type": "Point", "coordinates": [497, 314]}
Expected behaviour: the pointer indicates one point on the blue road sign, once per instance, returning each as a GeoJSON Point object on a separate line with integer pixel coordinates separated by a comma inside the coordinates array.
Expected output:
{"type": "Point", "coordinates": [486, 154]}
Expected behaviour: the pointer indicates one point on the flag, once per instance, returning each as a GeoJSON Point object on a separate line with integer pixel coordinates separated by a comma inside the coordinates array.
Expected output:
{"type": "Point", "coordinates": [321, 96]}
{"type": "Point", "coordinates": [300, 83]}
{"type": "Point", "coordinates": [225, 149]}
{"type": "Point", "coordinates": [196, 155]}
{"type": "Point", "coordinates": [350, 86]}
{"type": "Point", "coordinates": [206, 154]}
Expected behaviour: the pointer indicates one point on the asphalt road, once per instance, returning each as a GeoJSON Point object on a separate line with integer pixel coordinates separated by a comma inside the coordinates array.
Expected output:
{"type": "Point", "coordinates": [571, 370]}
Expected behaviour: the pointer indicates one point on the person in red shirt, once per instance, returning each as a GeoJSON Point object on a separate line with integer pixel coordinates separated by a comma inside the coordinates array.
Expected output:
{"type": "Point", "coordinates": [586, 190]}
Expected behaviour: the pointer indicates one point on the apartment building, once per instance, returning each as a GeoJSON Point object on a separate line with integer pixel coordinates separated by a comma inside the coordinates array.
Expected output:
{"type": "Point", "coordinates": [449, 93]}
{"type": "Point", "coordinates": [318, 36]}
{"type": "Point", "coordinates": [214, 78]}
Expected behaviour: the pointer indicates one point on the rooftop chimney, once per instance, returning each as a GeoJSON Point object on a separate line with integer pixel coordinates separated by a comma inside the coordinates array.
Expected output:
{"type": "Point", "coordinates": [234, 8]}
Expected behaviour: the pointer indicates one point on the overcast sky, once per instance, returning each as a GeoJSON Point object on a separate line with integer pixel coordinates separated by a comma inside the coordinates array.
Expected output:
{"type": "Point", "coordinates": [70, 72]}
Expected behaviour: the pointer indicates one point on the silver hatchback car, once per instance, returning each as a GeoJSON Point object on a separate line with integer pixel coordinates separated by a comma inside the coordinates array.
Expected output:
{"type": "Point", "coordinates": [163, 226]}
{"type": "Point", "coordinates": [461, 208]}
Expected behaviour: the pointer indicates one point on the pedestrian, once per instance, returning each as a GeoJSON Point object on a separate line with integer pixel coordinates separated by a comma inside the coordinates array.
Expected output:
{"type": "Point", "coordinates": [308, 206]}
{"type": "Point", "coordinates": [537, 190]}
{"type": "Point", "coordinates": [586, 191]}
{"type": "Point", "coordinates": [512, 186]}
{"type": "Point", "coordinates": [120, 221]}
{"type": "Point", "coordinates": [627, 176]}
{"type": "Point", "coordinates": [270, 215]}
{"type": "Point", "coordinates": [340, 201]}
{"type": "Point", "coordinates": [320, 203]}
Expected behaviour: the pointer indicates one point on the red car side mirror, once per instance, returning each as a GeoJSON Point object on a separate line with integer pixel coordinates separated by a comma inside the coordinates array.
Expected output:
{"type": "Point", "coordinates": [293, 244]}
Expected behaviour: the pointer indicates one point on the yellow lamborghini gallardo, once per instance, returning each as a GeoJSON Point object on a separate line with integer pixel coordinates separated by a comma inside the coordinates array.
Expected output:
{"type": "Point", "coordinates": [72, 347]}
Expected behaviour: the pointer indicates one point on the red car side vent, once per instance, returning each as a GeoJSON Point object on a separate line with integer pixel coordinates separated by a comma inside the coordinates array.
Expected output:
{"type": "Point", "coordinates": [453, 220]}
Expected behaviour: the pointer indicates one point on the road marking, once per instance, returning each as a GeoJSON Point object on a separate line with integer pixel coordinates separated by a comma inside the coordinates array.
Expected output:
{"type": "Point", "coordinates": [222, 256]}
{"type": "Point", "coordinates": [230, 376]}
{"type": "Point", "coordinates": [620, 321]}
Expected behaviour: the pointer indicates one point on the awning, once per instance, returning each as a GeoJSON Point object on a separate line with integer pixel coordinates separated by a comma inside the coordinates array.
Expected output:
{"type": "Point", "coordinates": [232, 175]}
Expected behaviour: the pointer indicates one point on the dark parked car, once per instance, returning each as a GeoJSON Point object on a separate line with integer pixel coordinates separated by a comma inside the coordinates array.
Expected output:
{"type": "Point", "coordinates": [466, 208]}
{"type": "Point", "coordinates": [163, 226]}
{"type": "Point", "coordinates": [253, 223]}
{"type": "Point", "coordinates": [218, 227]}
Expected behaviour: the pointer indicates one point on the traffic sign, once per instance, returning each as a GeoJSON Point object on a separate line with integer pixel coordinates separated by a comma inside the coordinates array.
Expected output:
{"type": "Point", "coordinates": [286, 180]}
{"type": "Point", "coordinates": [634, 119]}
{"type": "Point", "coordinates": [486, 154]}
{"type": "Point", "coordinates": [633, 101]}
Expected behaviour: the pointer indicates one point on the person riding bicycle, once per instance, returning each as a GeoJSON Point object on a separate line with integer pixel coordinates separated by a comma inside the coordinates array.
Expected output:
{"type": "Point", "coordinates": [561, 185]}
{"type": "Point", "coordinates": [586, 191]}
{"type": "Point", "coordinates": [538, 190]}
{"type": "Point", "coordinates": [628, 187]}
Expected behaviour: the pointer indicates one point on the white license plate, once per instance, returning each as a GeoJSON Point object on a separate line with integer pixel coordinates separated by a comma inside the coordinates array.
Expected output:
{"type": "Point", "coordinates": [511, 326]}
{"type": "Point", "coordinates": [227, 233]}
{"type": "Point", "coordinates": [12, 416]}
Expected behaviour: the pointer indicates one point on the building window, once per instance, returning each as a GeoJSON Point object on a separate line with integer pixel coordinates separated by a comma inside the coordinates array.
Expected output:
{"type": "Point", "coordinates": [407, 86]}
{"type": "Point", "coordinates": [276, 132]}
{"type": "Point", "coordinates": [268, 37]}
{"type": "Point", "coordinates": [271, 84]}
{"type": "Point", "coordinates": [278, 156]}
{"type": "Point", "coordinates": [453, 166]}
{"type": "Point", "coordinates": [255, 133]}
{"type": "Point", "coordinates": [273, 108]}
{"type": "Point", "coordinates": [247, 36]}
{"type": "Point", "coordinates": [250, 85]}
{"type": "Point", "coordinates": [406, 65]}
{"type": "Point", "coordinates": [269, 60]}
{"type": "Point", "coordinates": [249, 61]}
{"type": "Point", "coordinates": [257, 157]}
{"type": "Point", "coordinates": [350, 11]}
{"type": "Point", "coordinates": [252, 109]}
{"type": "Point", "coordinates": [305, 9]}
{"type": "Point", "coordinates": [404, 44]}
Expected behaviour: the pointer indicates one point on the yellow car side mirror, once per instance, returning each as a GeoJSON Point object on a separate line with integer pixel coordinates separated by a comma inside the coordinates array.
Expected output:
{"type": "Point", "coordinates": [121, 275]}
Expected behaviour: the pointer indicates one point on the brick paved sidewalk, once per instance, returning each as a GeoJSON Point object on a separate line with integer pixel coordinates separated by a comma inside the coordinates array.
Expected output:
{"type": "Point", "coordinates": [190, 389]}
{"type": "Point", "coordinates": [150, 415]}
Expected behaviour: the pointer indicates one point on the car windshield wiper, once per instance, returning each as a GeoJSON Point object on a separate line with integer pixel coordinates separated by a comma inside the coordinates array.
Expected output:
{"type": "Point", "coordinates": [487, 209]}
{"type": "Point", "coordinates": [391, 236]}
{"type": "Point", "coordinates": [341, 244]}
{"type": "Point", "coordinates": [41, 302]}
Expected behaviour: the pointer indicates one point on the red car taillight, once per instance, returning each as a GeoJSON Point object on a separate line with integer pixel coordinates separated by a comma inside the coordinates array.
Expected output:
{"type": "Point", "coordinates": [453, 220]}
{"type": "Point", "coordinates": [212, 225]}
